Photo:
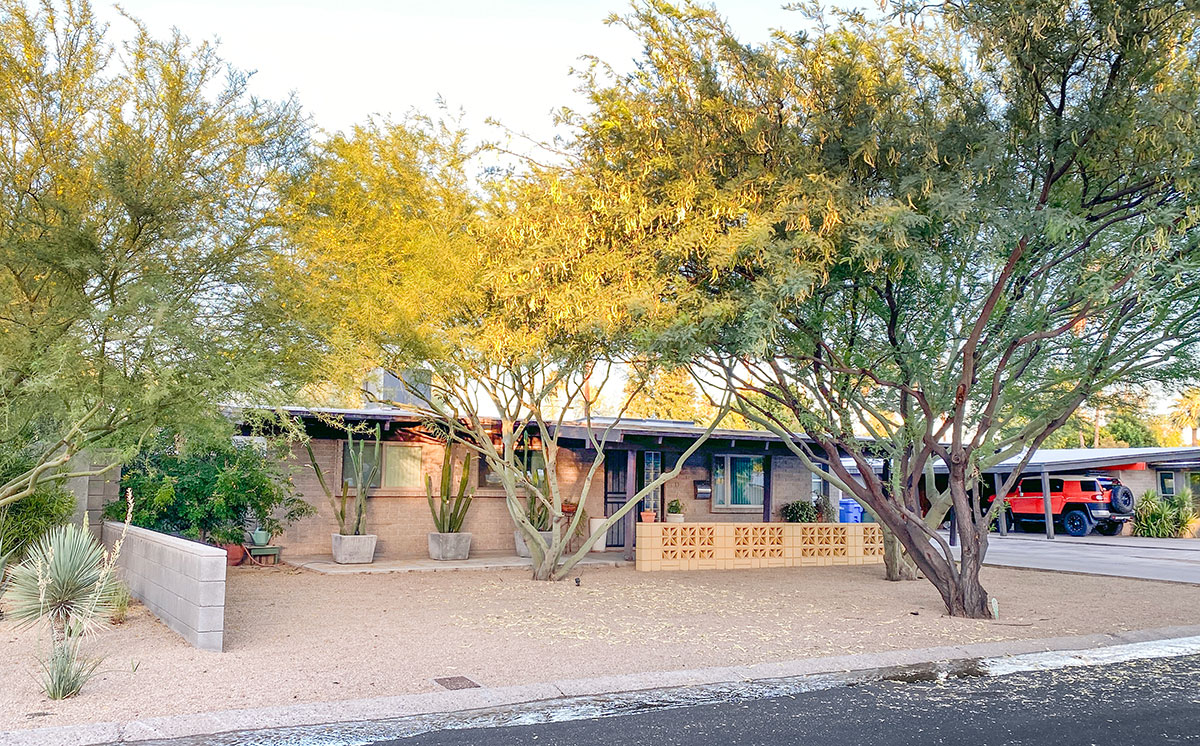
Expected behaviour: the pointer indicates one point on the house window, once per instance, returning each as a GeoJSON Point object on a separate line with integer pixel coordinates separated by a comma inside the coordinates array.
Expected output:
{"type": "Point", "coordinates": [489, 478]}
{"type": "Point", "coordinates": [352, 474]}
{"type": "Point", "coordinates": [651, 470]}
{"type": "Point", "coordinates": [1166, 483]}
{"type": "Point", "coordinates": [401, 468]}
{"type": "Point", "coordinates": [738, 481]}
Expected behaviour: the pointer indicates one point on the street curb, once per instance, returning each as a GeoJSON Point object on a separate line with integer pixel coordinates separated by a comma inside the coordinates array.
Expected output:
{"type": "Point", "coordinates": [385, 708]}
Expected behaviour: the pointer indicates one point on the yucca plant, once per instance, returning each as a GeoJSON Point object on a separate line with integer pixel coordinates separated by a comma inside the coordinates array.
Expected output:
{"type": "Point", "coordinates": [449, 511]}
{"type": "Point", "coordinates": [66, 671]}
{"type": "Point", "coordinates": [66, 580]}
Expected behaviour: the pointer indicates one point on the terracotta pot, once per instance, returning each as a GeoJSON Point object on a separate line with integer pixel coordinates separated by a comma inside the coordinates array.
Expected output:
{"type": "Point", "coordinates": [570, 508]}
{"type": "Point", "coordinates": [234, 554]}
{"type": "Point", "coordinates": [649, 516]}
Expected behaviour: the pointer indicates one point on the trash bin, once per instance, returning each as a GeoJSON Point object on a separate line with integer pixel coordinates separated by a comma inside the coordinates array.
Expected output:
{"type": "Point", "coordinates": [849, 511]}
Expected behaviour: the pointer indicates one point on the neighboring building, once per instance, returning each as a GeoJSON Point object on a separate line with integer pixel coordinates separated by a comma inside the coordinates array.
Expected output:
{"type": "Point", "coordinates": [1161, 470]}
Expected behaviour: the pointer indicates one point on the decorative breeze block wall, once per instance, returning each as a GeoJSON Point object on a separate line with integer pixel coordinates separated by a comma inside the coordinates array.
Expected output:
{"type": "Point", "coordinates": [734, 546]}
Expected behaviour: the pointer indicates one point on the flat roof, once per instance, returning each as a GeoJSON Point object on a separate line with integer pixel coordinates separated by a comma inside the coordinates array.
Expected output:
{"type": "Point", "coordinates": [1049, 459]}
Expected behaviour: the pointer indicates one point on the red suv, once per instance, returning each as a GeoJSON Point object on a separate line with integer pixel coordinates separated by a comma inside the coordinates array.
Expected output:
{"type": "Point", "coordinates": [1077, 503]}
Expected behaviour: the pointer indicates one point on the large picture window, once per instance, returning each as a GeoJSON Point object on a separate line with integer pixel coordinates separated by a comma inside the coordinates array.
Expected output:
{"type": "Point", "coordinates": [738, 481]}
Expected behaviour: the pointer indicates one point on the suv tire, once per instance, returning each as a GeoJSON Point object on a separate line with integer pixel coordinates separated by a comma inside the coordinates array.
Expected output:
{"type": "Point", "coordinates": [1109, 528]}
{"type": "Point", "coordinates": [1076, 522]}
{"type": "Point", "coordinates": [1121, 500]}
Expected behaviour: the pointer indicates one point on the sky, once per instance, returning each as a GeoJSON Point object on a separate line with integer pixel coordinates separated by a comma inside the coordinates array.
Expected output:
{"type": "Point", "coordinates": [346, 60]}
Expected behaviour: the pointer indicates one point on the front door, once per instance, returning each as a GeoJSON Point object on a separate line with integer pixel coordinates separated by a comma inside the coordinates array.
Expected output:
{"type": "Point", "coordinates": [616, 471]}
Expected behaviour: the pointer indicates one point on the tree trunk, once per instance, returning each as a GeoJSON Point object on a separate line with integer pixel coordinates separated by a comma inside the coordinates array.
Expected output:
{"type": "Point", "coordinates": [896, 564]}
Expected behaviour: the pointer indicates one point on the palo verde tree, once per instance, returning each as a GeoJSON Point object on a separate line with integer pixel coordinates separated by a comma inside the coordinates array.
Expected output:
{"type": "Point", "coordinates": [1004, 192]}
{"type": "Point", "coordinates": [509, 295]}
{"type": "Point", "coordinates": [135, 230]}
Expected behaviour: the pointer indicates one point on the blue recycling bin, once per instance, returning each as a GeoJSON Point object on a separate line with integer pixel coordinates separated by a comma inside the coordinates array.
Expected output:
{"type": "Point", "coordinates": [849, 511]}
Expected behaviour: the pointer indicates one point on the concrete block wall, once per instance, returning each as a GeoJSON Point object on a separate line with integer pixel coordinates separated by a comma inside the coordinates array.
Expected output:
{"type": "Point", "coordinates": [181, 582]}
{"type": "Point", "coordinates": [93, 492]}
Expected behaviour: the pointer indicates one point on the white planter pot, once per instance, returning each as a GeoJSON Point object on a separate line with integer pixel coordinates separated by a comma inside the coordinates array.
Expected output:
{"type": "Point", "coordinates": [674, 518]}
{"type": "Point", "coordinates": [601, 544]}
{"type": "Point", "coordinates": [449, 546]}
{"type": "Point", "coordinates": [523, 548]}
{"type": "Point", "coordinates": [353, 550]}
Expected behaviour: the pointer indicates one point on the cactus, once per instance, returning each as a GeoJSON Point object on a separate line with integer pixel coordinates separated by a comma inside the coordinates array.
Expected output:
{"type": "Point", "coordinates": [449, 512]}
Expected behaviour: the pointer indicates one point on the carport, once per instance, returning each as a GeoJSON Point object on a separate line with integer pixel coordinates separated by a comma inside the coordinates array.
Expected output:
{"type": "Point", "coordinates": [1133, 466]}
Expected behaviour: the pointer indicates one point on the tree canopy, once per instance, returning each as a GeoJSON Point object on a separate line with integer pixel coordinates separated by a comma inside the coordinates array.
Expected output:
{"type": "Point", "coordinates": [943, 229]}
{"type": "Point", "coordinates": [136, 231]}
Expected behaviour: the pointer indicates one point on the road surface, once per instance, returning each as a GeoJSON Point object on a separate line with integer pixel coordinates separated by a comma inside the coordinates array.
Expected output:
{"type": "Point", "coordinates": [1155, 701]}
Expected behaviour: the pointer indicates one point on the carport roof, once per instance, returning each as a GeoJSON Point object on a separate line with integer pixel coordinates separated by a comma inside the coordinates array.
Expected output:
{"type": "Point", "coordinates": [1059, 459]}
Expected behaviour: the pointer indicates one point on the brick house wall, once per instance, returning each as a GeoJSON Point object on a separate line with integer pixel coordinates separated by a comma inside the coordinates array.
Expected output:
{"type": "Point", "coordinates": [401, 517]}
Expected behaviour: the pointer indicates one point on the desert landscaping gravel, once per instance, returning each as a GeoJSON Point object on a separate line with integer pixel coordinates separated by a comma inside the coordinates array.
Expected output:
{"type": "Point", "coordinates": [294, 636]}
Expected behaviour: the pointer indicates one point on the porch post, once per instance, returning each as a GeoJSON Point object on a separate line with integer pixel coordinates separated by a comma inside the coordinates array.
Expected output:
{"type": "Point", "coordinates": [1003, 520]}
{"type": "Point", "coordinates": [766, 489]}
{"type": "Point", "coordinates": [630, 491]}
{"type": "Point", "coordinates": [1046, 504]}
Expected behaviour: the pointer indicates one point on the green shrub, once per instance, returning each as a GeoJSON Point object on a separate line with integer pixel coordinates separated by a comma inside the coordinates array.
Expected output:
{"type": "Point", "coordinates": [120, 604]}
{"type": "Point", "coordinates": [800, 511]}
{"type": "Point", "coordinates": [211, 489]}
{"type": "Point", "coordinates": [1163, 518]}
{"type": "Point", "coordinates": [24, 522]}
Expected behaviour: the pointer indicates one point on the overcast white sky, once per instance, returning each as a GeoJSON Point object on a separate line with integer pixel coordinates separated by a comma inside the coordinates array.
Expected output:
{"type": "Point", "coordinates": [347, 59]}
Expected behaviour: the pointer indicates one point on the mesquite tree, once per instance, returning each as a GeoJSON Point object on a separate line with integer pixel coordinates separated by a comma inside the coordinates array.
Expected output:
{"type": "Point", "coordinates": [990, 216]}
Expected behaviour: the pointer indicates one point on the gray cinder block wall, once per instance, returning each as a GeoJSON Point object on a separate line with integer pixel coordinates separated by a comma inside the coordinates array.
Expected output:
{"type": "Point", "coordinates": [181, 582]}
{"type": "Point", "coordinates": [93, 492]}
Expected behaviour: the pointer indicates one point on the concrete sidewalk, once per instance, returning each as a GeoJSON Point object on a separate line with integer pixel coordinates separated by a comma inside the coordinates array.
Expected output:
{"type": "Point", "coordinates": [844, 668]}
{"type": "Point", "coordinates": [325, 565]}
{"type": "Point", "coordinates": [1171, 560]}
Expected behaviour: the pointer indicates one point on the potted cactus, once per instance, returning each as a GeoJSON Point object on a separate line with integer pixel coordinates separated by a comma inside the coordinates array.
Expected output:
{"type": "Point", "coordinates": [351, 545]}
{"type": "Point", "coordinates": [449, 541]}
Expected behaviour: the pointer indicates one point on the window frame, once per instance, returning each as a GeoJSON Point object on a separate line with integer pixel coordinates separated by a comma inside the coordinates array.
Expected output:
{"type": "Point", "coordinates": [379, 487]}
{"type": "Point", "coordinates": [716, 505]}
{"type": "Point", "coordinates": [1162, 482]}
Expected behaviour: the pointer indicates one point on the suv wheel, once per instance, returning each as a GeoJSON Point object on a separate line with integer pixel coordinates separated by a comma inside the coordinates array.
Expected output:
{"type": "Point", "coordinates": [1076, 523]}
{"type": "Point", "coordinates": [1109, 528]}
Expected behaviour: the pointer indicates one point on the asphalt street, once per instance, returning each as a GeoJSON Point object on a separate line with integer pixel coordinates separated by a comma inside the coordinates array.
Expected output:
{"type": "Point", "coordinates": [1175, 560]}
{"type": "Point", "coordinates": [1154, 701]}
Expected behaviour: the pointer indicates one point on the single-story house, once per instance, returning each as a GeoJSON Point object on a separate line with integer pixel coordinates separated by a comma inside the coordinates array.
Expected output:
{"type": "Point", "coordinates": [737, 475]}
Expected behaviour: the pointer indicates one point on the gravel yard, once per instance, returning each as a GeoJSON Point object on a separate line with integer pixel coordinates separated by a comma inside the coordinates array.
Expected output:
{"type": "Point", "coordinates": [296, 636]}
